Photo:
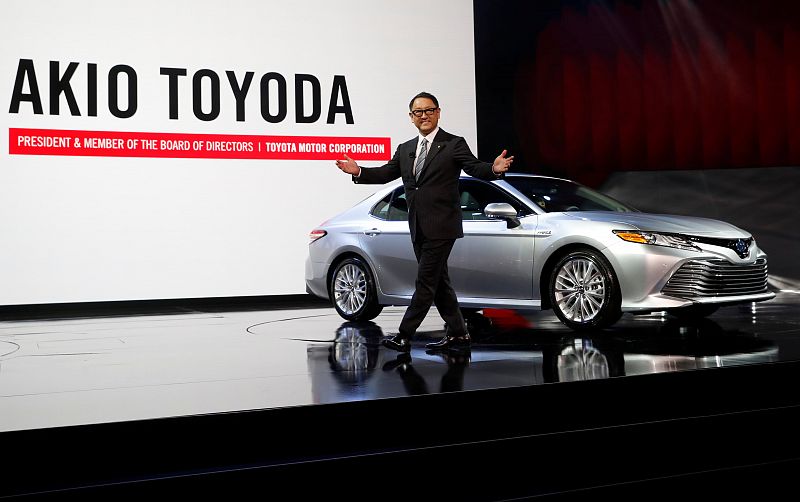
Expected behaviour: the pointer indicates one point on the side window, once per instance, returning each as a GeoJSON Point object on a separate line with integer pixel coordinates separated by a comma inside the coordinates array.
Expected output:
{"type": "Point", "coordinates": [398, 209]}
{"type": "Point", "coordinates": [381, 209]}
{"type": "Point", "coordinates": [393, 207]}
{"type": "Point", "coordinates": [476, 195]}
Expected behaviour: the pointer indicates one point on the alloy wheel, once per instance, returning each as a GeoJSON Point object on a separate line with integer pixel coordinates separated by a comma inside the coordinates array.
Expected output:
{"type": "Point", "coordinates": [350, 289]}
{"type": "Point", "coordinates": [580, 290]}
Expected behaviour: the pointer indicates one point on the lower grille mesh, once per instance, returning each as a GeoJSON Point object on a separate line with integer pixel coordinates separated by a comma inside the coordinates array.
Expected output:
{"type": "Point", "coordinates": [714, 278]}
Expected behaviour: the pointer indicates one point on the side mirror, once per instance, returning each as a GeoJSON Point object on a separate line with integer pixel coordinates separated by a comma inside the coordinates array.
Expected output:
{"type": "Point", "coordinates": [502, 210]}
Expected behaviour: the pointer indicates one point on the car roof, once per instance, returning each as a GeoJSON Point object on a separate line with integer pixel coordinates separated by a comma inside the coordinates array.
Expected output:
{"type": "Point", "coordinates": [541, 176]}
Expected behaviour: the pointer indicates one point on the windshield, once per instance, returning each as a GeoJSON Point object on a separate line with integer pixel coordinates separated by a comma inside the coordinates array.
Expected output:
{"type": "Point", "coordinates": [554, 195]}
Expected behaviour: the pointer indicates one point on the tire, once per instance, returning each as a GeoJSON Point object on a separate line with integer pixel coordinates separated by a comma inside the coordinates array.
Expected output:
{"type": "Point", "coordinates": [584, 291]}
{"type": "Point", "coordinates": [352, 291]}
{"type": "Point", "coordinates": [697, 311]}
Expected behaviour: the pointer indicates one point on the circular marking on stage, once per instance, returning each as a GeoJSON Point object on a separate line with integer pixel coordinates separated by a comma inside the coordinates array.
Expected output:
{"type": "Point", "coordinates": [757, 333]}
{"type": "Point", "coordinates": [324, 326]}
{"type": "Point", "coordinates": [7, 348]}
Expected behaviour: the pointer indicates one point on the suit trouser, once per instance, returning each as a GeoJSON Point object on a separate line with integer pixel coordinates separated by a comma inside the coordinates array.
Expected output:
{"type": "Point", "coordinates": [433, 287]}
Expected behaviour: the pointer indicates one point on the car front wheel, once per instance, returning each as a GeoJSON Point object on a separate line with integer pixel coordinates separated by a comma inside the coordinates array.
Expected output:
{"type": "Point", "coordinates": [353, 291]}
{"type": "Point", "coordinates": [584, 291]}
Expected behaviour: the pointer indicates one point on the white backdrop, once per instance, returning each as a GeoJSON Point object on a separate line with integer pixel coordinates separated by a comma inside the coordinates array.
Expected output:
{"type": "Point", "coordinates": [75, 229]}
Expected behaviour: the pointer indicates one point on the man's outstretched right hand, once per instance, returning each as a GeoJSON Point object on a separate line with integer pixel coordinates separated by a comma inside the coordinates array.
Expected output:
{"type": "Point", "coordinates": [349, 166]}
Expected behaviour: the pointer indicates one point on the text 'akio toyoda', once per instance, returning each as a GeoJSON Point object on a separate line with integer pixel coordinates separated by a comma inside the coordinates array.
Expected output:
{"type": "Point", "coordinates": [272, 89]}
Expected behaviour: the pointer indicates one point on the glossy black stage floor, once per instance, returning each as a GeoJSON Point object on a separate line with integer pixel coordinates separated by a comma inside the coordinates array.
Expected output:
{"type": "Point", "coordinates": [654, 406]}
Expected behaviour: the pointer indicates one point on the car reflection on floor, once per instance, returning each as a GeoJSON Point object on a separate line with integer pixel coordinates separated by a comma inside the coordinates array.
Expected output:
{"type": "Point", "coordinates": [508, 352]}
{"type": "Point", "coordinates": [677, 346]}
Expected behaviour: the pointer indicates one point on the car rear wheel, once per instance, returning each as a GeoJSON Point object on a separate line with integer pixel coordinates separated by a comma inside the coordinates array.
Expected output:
{"type": "Point", "coordinates": [353, 291]}
{"type": "Point", "coordinates": [584, 291]}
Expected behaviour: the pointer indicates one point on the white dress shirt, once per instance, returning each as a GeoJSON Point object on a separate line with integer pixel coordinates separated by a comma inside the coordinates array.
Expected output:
{"type": "Point", "coordinates": [429, 137]}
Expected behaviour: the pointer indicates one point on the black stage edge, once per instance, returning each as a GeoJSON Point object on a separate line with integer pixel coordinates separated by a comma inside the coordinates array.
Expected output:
{"type": "Point", "coordinates": [715, 432]}
{"type": "Point", "coordinates": [159, 307]}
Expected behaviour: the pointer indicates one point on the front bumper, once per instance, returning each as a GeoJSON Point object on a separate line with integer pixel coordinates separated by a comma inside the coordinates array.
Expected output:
{"type": "Point", "coordinates": [659, 278]}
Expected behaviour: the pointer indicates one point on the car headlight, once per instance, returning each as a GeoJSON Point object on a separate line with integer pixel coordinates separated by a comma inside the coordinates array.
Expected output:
{"type": "Point", "coordinates": [657, 239]}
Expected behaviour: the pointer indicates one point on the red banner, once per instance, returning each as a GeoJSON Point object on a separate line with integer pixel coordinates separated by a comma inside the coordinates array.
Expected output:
{"type": "Point", "coordinates": [193, 146]}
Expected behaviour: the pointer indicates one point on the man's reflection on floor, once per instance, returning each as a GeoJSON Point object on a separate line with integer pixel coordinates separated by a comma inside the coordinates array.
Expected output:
{"type": "Point", "coordinates": [356, 353]}
{"type": "Point", "coordinates": [452, 381]}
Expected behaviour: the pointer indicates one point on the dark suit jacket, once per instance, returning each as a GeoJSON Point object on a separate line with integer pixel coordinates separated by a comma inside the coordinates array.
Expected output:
{"type": "Point", "coordinates": [433, 201]}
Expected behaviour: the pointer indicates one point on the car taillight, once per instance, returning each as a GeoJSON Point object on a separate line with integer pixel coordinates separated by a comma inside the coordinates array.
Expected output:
{"type": "Point", "coordinates": [316, 234]}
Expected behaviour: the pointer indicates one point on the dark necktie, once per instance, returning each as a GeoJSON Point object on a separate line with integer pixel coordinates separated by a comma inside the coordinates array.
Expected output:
{"type": "Point", "coordinates": [423, 152]}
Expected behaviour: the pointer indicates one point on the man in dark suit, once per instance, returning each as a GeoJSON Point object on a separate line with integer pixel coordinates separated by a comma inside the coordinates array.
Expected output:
{"type": "Point", "coordinates": [430, 166]}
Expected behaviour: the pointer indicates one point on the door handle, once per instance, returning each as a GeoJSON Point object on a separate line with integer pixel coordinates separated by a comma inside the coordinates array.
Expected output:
{"type": "Point", "coordinates": [372, 232]}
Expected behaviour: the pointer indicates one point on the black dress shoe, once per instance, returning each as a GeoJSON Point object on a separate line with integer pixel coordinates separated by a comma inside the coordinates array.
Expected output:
{"type": "Point", "coordinates": [449, 342]}
{"type": "Point", "coordinates": [398, 343]}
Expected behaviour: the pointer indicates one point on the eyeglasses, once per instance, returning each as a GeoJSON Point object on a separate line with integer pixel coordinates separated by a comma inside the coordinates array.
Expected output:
{"type": "Point", "coordinates": [427, 111]}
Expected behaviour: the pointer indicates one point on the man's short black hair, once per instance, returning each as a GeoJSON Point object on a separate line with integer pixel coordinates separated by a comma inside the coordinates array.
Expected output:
{"type": "Point", "coordinates": [424, 95]}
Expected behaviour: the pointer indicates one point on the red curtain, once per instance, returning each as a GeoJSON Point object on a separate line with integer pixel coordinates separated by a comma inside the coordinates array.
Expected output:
{"type": "Point", "coordinates": [663, 84]}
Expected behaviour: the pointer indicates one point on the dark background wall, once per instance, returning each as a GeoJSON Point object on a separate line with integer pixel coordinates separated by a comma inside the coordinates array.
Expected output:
{"type": "Point", "coordinates": [684, 107]}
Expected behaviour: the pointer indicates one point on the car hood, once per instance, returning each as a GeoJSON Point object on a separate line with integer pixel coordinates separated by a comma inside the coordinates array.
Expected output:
{"type": "Point", "coordinates": [689, 225]}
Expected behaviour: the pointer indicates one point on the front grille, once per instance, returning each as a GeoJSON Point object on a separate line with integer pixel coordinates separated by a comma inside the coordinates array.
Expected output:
{"type": "Point", "coordinates": [739, 246]}
{"type": "Point", "coordinates": [715, 278]}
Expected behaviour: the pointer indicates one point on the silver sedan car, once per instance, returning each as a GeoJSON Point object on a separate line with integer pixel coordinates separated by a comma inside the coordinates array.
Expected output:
{"type": "Point", "coordinates": [536, 242]}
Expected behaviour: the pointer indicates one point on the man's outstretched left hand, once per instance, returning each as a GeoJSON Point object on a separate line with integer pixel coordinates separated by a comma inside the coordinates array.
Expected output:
{"type": "Point", "coordinates": [502, 163]}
